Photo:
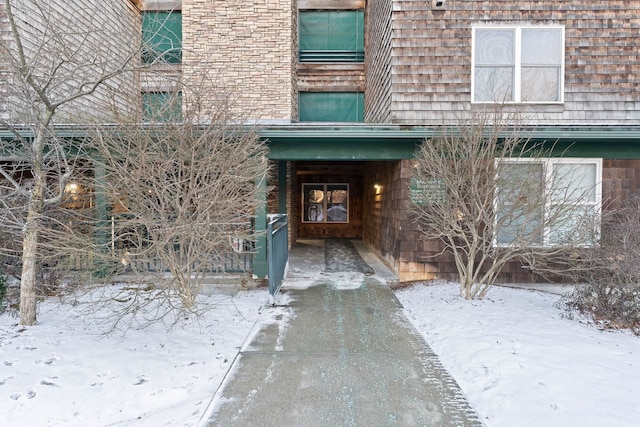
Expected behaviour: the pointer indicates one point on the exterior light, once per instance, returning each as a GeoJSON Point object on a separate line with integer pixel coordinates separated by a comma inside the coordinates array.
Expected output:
{"type": "Point", "coordinates": [72, 188]}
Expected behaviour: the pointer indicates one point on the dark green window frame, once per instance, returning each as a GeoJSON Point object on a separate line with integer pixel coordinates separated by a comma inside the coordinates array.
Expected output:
{"type": "Point", "coordinates": [331, 35]}
{"type": "Point", "coordinates": [162, 37]}
{"type": "Point", "coordinates": [161, 106]}
{"type": "Point", "coordinates": [333, 107]}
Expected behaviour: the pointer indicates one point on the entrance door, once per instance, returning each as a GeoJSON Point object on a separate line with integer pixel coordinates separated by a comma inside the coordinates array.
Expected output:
{"type": "Point", "coordinates": [330, 198]}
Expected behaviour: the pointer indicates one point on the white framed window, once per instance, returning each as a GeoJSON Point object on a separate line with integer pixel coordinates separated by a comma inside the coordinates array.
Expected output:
{"type": "Point", "coordinates": [325, 203]}
{"type": "Point", "coordinates": [548, 202]}
{"type": "Point", "coordinates": [517, 64]}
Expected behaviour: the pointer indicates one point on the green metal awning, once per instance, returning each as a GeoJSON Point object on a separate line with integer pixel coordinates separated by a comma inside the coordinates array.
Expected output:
{"type": "Point", "coordinates": [382, 142]}
{"type": "Point", "coordinates": [305, 141]}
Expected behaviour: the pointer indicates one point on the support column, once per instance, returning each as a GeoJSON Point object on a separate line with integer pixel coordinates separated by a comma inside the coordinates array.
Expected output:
{"type": "Point", "coordinates": [282, 187]}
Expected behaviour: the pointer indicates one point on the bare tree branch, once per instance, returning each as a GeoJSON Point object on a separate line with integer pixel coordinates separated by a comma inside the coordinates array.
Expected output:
{"type": "Point", "coordinates": [492, 198]}
{"type": "Point", "coordinates": [184, 195]}
{"type": "Point", "coordinates": [55, 70]}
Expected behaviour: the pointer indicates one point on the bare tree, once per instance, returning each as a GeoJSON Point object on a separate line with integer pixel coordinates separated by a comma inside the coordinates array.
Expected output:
{"type": "Point", "coordinates": [60, 64]}
{"type": "Point", "coordinates": [184, 186]}
{"type": "Point", "coordinates": [492, 197]}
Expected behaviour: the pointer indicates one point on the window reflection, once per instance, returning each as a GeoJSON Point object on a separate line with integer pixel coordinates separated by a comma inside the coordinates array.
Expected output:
{"type": "Point", "coordinates": [325, 202]}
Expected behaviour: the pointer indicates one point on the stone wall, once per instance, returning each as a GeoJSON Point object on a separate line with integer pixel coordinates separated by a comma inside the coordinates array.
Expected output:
{"type": "Point", "coordinates": [245, 49]}
{"type": "Point", "coordinates": [294, 63]}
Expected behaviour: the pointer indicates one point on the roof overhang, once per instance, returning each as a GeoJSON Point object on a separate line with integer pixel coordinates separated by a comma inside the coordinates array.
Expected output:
{"type": "Point", "coordinates": [380, 142]}
{"type": "Point", "coordinates": [386, 142]}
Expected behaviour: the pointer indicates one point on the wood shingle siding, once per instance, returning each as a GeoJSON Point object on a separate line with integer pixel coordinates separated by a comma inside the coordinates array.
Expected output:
{"type": "Point", "coordinates": [378, 61]}
{"type": "Point", "coordinates": [86, 38]}
{"type": "Point", "coordinates": [331, 77]}
{"type": "Point", "coordinates": [620, 181]}
{"type": "Point", "coordinates": [431, 58]}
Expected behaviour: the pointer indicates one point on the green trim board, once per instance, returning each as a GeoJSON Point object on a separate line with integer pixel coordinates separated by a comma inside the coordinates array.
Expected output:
{"type": "Point", "coordinates": [282, 187]}
{"type": "Point", "coordinates": [341, 149]}
{"type": "Point", "coordinates": [330, 130]}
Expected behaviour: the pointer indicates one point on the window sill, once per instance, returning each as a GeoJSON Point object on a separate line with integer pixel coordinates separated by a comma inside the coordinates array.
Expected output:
{"type": "Point", "coordinates": [527, 107]}
{"type": "Point", "coordinates": [520, 103]}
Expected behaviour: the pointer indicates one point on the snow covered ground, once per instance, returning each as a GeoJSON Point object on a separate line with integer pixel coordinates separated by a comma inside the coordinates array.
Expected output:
{"type": "Point", "coordinates": [521, 363]}
{"type": "Point", "coordinates": [517, 359]}
{"type": "Point", "coordinates": [65, 372]}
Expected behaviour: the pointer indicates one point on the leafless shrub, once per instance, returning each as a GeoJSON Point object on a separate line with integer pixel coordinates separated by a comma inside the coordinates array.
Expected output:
{"type": "Point", "coordinates": [611, 273]}
{"type": "Point", "coordinates": [491, 197]}
{"type": "Point", "coordinates": [183, 192]}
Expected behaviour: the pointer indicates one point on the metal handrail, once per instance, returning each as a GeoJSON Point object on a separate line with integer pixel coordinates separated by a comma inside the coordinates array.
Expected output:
{"type": "Point", "coordinates": [277, 252]}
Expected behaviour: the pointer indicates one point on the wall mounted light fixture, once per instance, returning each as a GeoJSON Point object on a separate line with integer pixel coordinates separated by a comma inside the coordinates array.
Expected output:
{"type": "Point", "coordinates": [72, 189]}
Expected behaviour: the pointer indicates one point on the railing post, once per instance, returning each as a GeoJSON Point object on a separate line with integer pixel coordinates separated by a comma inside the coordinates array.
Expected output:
{"type": "Point", "coordinates": [271, 263]}
{"type": "Point", "coordinates": [260, 265]}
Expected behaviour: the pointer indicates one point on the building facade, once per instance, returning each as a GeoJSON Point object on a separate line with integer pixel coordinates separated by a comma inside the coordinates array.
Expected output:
{"type": "Point", "coordinates": [343, 91]}
{"type": "Point", "coordinates": [412, 67]}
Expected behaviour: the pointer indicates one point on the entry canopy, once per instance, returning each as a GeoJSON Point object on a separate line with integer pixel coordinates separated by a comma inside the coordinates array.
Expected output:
{"type": "Point", "coordinates": [335, 141]}
{"type": "Point", "coordinates": [381, 142]}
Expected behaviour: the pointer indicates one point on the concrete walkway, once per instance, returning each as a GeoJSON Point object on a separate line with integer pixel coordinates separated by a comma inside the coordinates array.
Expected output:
{"type": "Point", "coordinates": [342, 355]}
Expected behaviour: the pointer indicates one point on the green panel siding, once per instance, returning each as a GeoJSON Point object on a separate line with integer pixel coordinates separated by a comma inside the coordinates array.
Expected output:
{"type": "Point", "coordinates": [162, 37]}
{"type": "Point", "coordinates": [331, 107]}
{"type": "Point", "coordinates": [331, 35]}
{"type": "Point", "coordinates": [162, 106]}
